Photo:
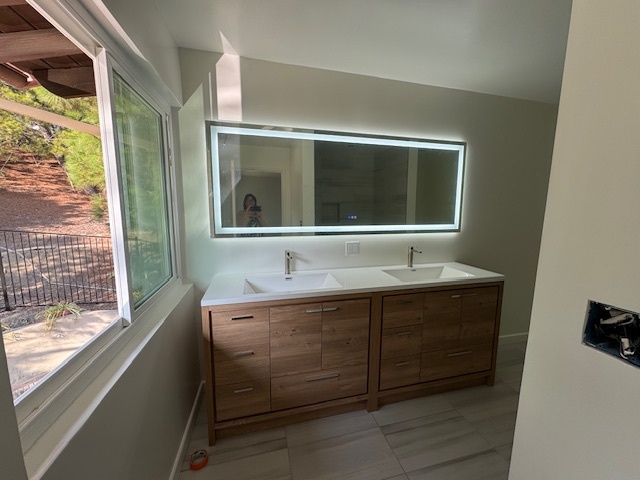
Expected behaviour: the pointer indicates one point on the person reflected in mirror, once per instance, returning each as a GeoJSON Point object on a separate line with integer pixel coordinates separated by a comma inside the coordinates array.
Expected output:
{"type": "Point", "coordinates": [251, 213]}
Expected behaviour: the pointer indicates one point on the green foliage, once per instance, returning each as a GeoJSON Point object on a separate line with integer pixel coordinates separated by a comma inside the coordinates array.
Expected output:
{"type": "Point", "coordinates": [98, 206]}
{"type": "Point", "coordinates": [82, 159]}
{"type": "Point", "coordinates": [82, 152]}
{"type": "Point", "coordinates": [51, 314]}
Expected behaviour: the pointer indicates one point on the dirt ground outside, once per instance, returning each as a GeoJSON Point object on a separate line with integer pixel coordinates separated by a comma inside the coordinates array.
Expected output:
{"type": "Point", "coordinates": [35, 196]}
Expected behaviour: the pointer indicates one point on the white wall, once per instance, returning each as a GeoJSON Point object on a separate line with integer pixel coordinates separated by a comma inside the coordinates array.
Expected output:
{"type": "Point", "coordinates": [578, 410]}
{"type": "Point", "coordinates": [140, 24]}
{"type": "Point", "coordinates": [509, 151]}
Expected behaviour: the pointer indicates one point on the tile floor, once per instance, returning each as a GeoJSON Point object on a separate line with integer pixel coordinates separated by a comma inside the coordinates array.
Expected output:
{"type": "Point", "coordinates": [466, 435]}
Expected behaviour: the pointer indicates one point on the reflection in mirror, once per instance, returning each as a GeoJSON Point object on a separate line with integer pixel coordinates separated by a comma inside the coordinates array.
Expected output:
{"type": "Point", "coordinates": [269, 181]}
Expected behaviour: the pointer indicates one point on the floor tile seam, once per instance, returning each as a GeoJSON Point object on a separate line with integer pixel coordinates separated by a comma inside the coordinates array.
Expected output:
{"type": "Point", "coordinates": [415, 418]}
{"type": "Point", "coordinates": [368, 427]}
{"type": "Point", "coordinates": [458, 417]}
{"type": "Point", "coordinates": [488, 440]}
{"type": "Point", "coordinates": [394, 453]}
{"type": "Point", "coordinates": [212, 456]}
{"type": "Point", "coordinates": [453, 461]}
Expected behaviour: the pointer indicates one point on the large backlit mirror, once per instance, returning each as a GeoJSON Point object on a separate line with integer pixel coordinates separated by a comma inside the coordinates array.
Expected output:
{"type": "Point", "coordinates": [275, 181]}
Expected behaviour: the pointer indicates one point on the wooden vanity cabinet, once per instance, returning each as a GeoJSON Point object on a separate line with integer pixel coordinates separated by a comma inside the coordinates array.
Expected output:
{"type": "Point", "coordinates": [319, 352]}
{"type": "Point", "coordinates": [439, 335]}
{"type": "Point", "coordinates": [278, 362]}
{"type": "Point", "coordinates": [266, 361]}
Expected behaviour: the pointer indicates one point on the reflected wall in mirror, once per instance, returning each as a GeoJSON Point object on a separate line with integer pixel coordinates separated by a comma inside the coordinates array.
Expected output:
{"type": "Point", "coordinates": [275, 181]}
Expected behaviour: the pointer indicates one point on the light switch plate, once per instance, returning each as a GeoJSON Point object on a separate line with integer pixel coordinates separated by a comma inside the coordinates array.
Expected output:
{"type": "Point", "coordinates": [352, 248]}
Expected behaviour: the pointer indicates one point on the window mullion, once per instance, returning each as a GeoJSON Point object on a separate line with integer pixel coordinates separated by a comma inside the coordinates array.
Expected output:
{"type": "Point", "coordinates": [111, 153]}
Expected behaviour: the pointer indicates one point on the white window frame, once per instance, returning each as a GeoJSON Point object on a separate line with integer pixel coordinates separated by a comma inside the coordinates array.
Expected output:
{"type": "Point", "coordinates": [108, 65]}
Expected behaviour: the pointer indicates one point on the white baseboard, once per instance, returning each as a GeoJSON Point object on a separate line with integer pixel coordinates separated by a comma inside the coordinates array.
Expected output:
{"type": "Point", "coordinates": [175, 471]}
{"type": "Point", "coordinates": [513, 338]}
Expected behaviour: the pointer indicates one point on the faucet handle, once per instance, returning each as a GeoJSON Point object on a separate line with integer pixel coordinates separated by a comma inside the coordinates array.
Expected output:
{"type": "Point", "coordinates": [413, 249]}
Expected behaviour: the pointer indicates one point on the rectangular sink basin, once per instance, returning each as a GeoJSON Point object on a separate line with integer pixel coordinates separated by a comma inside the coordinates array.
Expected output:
{"type": "Point", "coordinates": [278, 283]}
{"type": "Point", "coordinates": [418, 274]}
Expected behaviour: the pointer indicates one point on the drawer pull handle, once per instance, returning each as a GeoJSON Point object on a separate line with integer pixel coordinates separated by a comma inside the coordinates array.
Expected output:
{"type": "Point", "coordinates": [402, 364]}
{"type": "Point", "coordinates": [246, 353]}
{"type": "Point", "coordinates": [403, 334]}
{"type": "Point", "coordinates": [404, 302]}
{"type": "Point", "coordinates": [320, 310]}
{"type": "Point", "coordinates": [322, 377]}
{"type": "Point", "coordinates": [459, 353]}
{"type": "Point", "coordinates": [242, 317]}
{"type": "Point", "coordinates": [470, 294]}
{"type": "Point", "coordinates": [243, 390]}
{"type": "Point", "coordinates": [456, 296]}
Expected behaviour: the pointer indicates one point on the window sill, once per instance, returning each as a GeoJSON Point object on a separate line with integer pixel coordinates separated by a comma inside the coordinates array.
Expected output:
{"type": "Point", "coordinates": [49, 428]}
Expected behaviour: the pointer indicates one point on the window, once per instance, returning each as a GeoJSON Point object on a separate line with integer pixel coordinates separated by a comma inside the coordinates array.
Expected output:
{"type": "Point", "coordinates": [144, 196]}
{"type": "Point", "coordinates": [138, 188]}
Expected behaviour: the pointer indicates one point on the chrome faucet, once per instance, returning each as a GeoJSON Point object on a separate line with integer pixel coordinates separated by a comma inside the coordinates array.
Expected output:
{"type": "Point", "coordinates": [288, 256]}
{"type": "Point", "coordinates": [410, 256]}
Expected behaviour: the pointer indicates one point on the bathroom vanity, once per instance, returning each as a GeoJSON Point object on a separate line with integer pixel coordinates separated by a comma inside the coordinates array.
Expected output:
{"type": "Point", "coordinates": [281, 349]}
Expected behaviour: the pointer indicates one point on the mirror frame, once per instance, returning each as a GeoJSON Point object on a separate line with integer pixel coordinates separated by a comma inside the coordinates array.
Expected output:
{"type": "Point", "coordinates": [218, 230]}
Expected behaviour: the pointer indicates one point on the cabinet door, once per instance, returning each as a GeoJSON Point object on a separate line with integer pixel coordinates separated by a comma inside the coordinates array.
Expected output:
{"type": "Point", "coordinates": [479, 309]}
{"type": "Point", "coordinates": [442, 313]}
{"type": "Point", "coordinates": [296, 338]}
{"type": "Point", "coordinates": [345, 333]}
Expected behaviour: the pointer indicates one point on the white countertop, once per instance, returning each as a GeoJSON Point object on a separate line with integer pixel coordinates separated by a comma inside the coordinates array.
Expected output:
{"type": "Point", "coordinates": [229, 288]}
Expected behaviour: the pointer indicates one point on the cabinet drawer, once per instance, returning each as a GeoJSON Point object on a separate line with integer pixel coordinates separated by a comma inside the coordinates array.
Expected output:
{"type": "Point", "coordinates": [244, 368]}
{"type": "Point", "coordinates": [240, 317]}
{"type": "Point", "coordinates": [307, 388]}
{"type": "Point", "coordinates": [399, 371]}
{"type": "Point", "coordinates": [454, 362]}
{"type": "Point", "coordinates": [401, 341]}
{"type": "Point", "coordinates": [242, 399]}
{"type": "Point", "coordinates": [232, 331]}
{"type": "Point", "coordinates": [400, 310]}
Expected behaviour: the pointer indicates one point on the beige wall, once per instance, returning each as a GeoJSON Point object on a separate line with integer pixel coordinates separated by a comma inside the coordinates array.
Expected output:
{"type": "Point", "coordinates": [509, 151]}
{"type": "Point", "coordinates": [578, 409]}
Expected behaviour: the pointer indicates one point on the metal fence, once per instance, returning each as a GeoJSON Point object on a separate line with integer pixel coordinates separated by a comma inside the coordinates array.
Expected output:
{"type": "Point", "coordinates": [46, 268]}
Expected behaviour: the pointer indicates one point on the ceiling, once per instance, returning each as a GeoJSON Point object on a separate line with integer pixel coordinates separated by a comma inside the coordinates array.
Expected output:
{"type": "Point", "coordinates": [512, 48]}
{"type": "Point", "coordinates": [34, 53]}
